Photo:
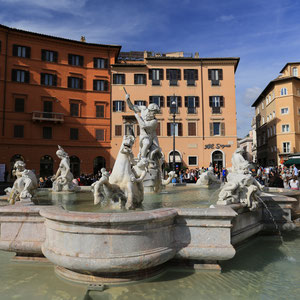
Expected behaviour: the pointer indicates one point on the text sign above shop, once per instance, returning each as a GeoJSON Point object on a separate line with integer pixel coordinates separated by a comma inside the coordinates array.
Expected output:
{"type": "Point", "coordinates": [217, 146]}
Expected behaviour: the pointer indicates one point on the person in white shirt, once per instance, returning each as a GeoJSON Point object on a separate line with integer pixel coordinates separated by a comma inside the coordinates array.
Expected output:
{"type": "Point", "coordinates": [294, 183]}
{"type": "Point", "coordinates": [295, 170]}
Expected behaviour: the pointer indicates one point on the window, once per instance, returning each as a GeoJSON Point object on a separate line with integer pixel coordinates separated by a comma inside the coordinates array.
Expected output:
{"type": "Point", "coordinates": [283, 92]}
{"type": "Point", "coordinates": [129, 129]}
{"type": "Point", "coordinates": [263, 120]}
{"type": "Point", "coordinates": [140, 79]}
{"type": "Point", "coordinates": [159, 100]}
{"type": "Point", "coordinates": [75, 83]}
{"type": "Point", "coordinates": [158, 129]}
{"type": "Point", "coordinates": [50, 56]}
{"type": "Point", "coordinates": [174, 108]}
{"type": "Point", "coordinates": [74, 109]}
{"type": "Point", "coordinates": [271, 131]}
{"type": "Point", "coordinates": [257, 110]}
{"type": "Point", "coordinates": [215, 75]}
{"type": "Point", "coordinates": [99, 111]}
{"type": "Point", "coordinates": [47, 132]}
{"type": "Point", "coordinates": [190, 75]}
{"type": "Point", "coordinates": [100, 85]}
{"type": "Point", "coordinates": [75, 60]}
{"type": "Point", "coordinates": [295, 71]}
{"type": "Point", "coordinates": [286, 147]}
{"type": "Point", "coordinates": [100, 63]}
{"type": "Point", "coordinates": [118, 78]}
{"type": "Point", "coordinates": [21, 51]}
{"type": "Point", "coordinates": [284, 110]}
{"type": "Point", "coordinates": [73, 133]}
{"type": "Point", "coordinates": [268, 132]}
{"type": "Point", "coordinates": [20, 76]}
{"type": "Point", "coordinates": [298, 92]}
{"type": "Point", "coordinates": [285, 128]}
{"type": "Point", "coordinates": [48, 79]}
{"type": "Point", "coordinates": [216, 102]}
{"type": "Point", "coordinates": [192, 129]}
{"type": "Point", "coordinates": [217, 128]}
{"type": "Point", "coordinates": [267, 118]}
{"type": "Point", "coordinates": [140, 103]}
{"type": "Point", "coordinates": [156, 75]}
{"type": "Point", "coordinates": [19, 131]}
{"type": "Point", "coordinates": [174, 128]}
{"type": "Point", "coordinates": [193, 160]}
{"type": "Point", "coordinates": [191, 102]}
{"type": "Point", "coordinates": [100, 134]}
{"type": "Point", "coordinates": [274, 129]}
{"type": "Point", "coordinates": [118, 106]}
{"type": "Point", "coordinates": [274, 114]}
{"type": "Point", "coordinates": [19, 104]}
{"type": "Point", "coordinates": [118, 130]}
{"type": "Point", "coordinates": [173, 75]}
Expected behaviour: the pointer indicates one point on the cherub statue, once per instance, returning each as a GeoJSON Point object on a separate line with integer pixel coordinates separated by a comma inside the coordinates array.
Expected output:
{"type": "Point", "coordinates": [25, 184]}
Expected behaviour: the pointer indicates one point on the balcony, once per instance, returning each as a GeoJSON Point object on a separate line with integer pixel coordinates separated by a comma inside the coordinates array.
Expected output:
{"type": "Point", "coordinates": [216, 110]}
{"type": "Point", "coordinates": [47, 116]}
{"type": "Point", "coordinates": [192, 110]}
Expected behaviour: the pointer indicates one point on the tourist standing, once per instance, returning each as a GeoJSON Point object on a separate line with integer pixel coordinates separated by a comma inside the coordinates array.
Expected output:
{"type": "Point", "coordinates": [294, 183]}
{"type": "Point", "coordinates": [295, 170]}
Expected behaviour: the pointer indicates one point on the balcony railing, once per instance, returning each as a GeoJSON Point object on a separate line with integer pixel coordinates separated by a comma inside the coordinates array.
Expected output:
{"type": "Point", "coordinates": [216, 110]}
{"type": "Point", "coordinates": [47, 116]}
{"type": "Point", "coordinates": [192, 110]}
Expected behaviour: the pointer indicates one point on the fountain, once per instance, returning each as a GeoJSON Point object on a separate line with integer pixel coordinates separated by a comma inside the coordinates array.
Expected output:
{"type": "Point", "coordinates": [127, 243]}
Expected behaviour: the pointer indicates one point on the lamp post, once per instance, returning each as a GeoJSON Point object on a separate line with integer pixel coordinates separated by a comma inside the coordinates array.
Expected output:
{"type": "Point", "coordinates": [173, 109]}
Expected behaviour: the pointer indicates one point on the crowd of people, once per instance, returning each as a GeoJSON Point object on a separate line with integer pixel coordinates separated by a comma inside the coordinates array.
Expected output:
{"type": "Point", "coordinates": [284, 177]}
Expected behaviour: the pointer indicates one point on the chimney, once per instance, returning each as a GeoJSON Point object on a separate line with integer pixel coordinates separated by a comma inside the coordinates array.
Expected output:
{"type": "Point", "coordinates": [196, 54]}
{"type": "Point", "coordinates": [82, 39]}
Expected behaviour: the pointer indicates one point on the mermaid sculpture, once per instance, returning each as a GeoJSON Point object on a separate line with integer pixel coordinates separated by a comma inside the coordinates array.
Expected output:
{"type": "Point", "coordinates": [62, 180]}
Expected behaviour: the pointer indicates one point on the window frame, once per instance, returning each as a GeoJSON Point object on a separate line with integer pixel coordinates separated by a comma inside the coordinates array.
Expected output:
{"type": "Point", "coordinates": [194, 156]}
{"type": "Point", "coordinates": [16, 131]}
{"type": "Point", "coordinates": [285, 146]}
{"type": "Point", "coordinates": [284, 113]}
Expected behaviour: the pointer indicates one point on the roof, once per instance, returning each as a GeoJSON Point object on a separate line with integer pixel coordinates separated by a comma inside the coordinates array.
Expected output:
{"type": "Point", "coordinates": [129, 65]}
{"type": "Point", "coordinates": [271, 84]}
{"type": "Point", "coordinates": [289, 63]}
{"type": "Point", "coordinates": [236, 59]}
{"type": "Point", "coordinates": [117, 47]}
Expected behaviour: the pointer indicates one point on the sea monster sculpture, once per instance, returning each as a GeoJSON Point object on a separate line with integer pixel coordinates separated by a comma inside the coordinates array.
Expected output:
{"type": "Point", "coordinates": [208, 178]}
{"type": "Point", "coordinates": [125, 184]}
{"type": "Point", "coordinates": [241, 187]}
{"type": "Point", "coordinates": [24, 186]}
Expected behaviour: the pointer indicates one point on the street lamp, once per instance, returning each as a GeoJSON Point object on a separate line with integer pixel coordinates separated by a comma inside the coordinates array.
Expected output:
{"type": "Point", "coordinates": [173, 110]}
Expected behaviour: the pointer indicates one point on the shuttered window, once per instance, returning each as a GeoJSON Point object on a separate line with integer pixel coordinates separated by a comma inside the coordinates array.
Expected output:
{"type": "Point", "coordinates": [19, 104]}
{"type": "Point", "coordinates": [49, 55]}
{"type": "Point", "coordinates": [47, 133]}
{"type": "Point", "coordinates": [118, 78]}
{"type": "Point", "coordinates": [75, 83]}
{"type": "Point", "coordinates": [159, 100]}
{"type": "Point", "coordinates": [118, 130]}
{"type": "Point", "coordinates": [192, 129]}
{"type": "Point", "coordinates": [174, 128]}
{"type": "Point", "coordinates": [100, 85]}
{"type": "Point", "coordinates": [100, 63]}
{"type": "Point", "coordinates": [99, 111]}
{"type": "Point", "coordinates": [99, 134]}
{"type": "Point", "coordinates": [118, 106]}
{"type": "Point", "coordinates": [215, 75]}
{"type": "Point", "coordinates": [48, 79]}
{"type": "Point", "coordinates": [74, 109]}
{"type": "Point", "coordinates": [75, 60]}
{"type": "Point", "coordinates": [20, 76]}
{"type": "Point", "coordinates": [217, 128]}
{"type": "Point", "coordinates": [158, 129]}
{"type": "Point", "coordinates": [140, 79]}
{"type": "Point", "coordinates": [73, 133]}
{"type": "Point", "coordinates": [21, 51]}
{"type": "Point", "coordinates": [19, 131]}
{"type": "Point", "coordinates": [177, 99]}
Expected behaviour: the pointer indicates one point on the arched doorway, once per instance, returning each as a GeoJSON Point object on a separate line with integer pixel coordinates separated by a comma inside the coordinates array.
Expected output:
{"type": "Point", "coordinates": [46, 166]}
{"type": "Point", "coordinates": [178, 161]}
{"type": "Point", "coordinates": [99, 163]}
{"type": "Point", "coordinates": [75, 165]}
{"type": "Point", "coordinates": [217, 160]}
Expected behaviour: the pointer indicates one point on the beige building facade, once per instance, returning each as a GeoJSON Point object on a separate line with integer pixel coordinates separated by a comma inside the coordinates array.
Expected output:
{"type": "Point", "coordinates": [277, 112]}
{"type": "Point", "coordinates": [204, 92]}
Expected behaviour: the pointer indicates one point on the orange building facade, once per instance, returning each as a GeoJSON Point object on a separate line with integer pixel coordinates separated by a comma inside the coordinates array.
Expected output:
{"type": "Point", "coordinates": [277, 113]}
{"type": "Point", "coordinates": [54, 91]}
{"type": "Point", "coordinates": [205, 113]}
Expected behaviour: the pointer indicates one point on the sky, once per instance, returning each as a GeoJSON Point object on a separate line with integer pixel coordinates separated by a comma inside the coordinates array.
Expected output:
{"type": "Point", "coordinates": [264, 34]}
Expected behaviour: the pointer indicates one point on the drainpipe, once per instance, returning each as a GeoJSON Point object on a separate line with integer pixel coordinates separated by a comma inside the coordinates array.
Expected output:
{"type": "Point", "coordinates": [202, 100]}
{"type": "Point", "coordinates": [5, 83]}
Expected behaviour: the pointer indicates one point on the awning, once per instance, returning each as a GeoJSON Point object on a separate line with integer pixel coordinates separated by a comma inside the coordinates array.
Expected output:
{"type": "Point", "coordinates": [292, 161]}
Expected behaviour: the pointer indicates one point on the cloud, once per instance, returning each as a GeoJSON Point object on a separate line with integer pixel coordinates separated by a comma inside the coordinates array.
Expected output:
{"type": "Point", "coordinates": [251, 94]}
{"type": "Point", "coordinates": [225, 18]}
